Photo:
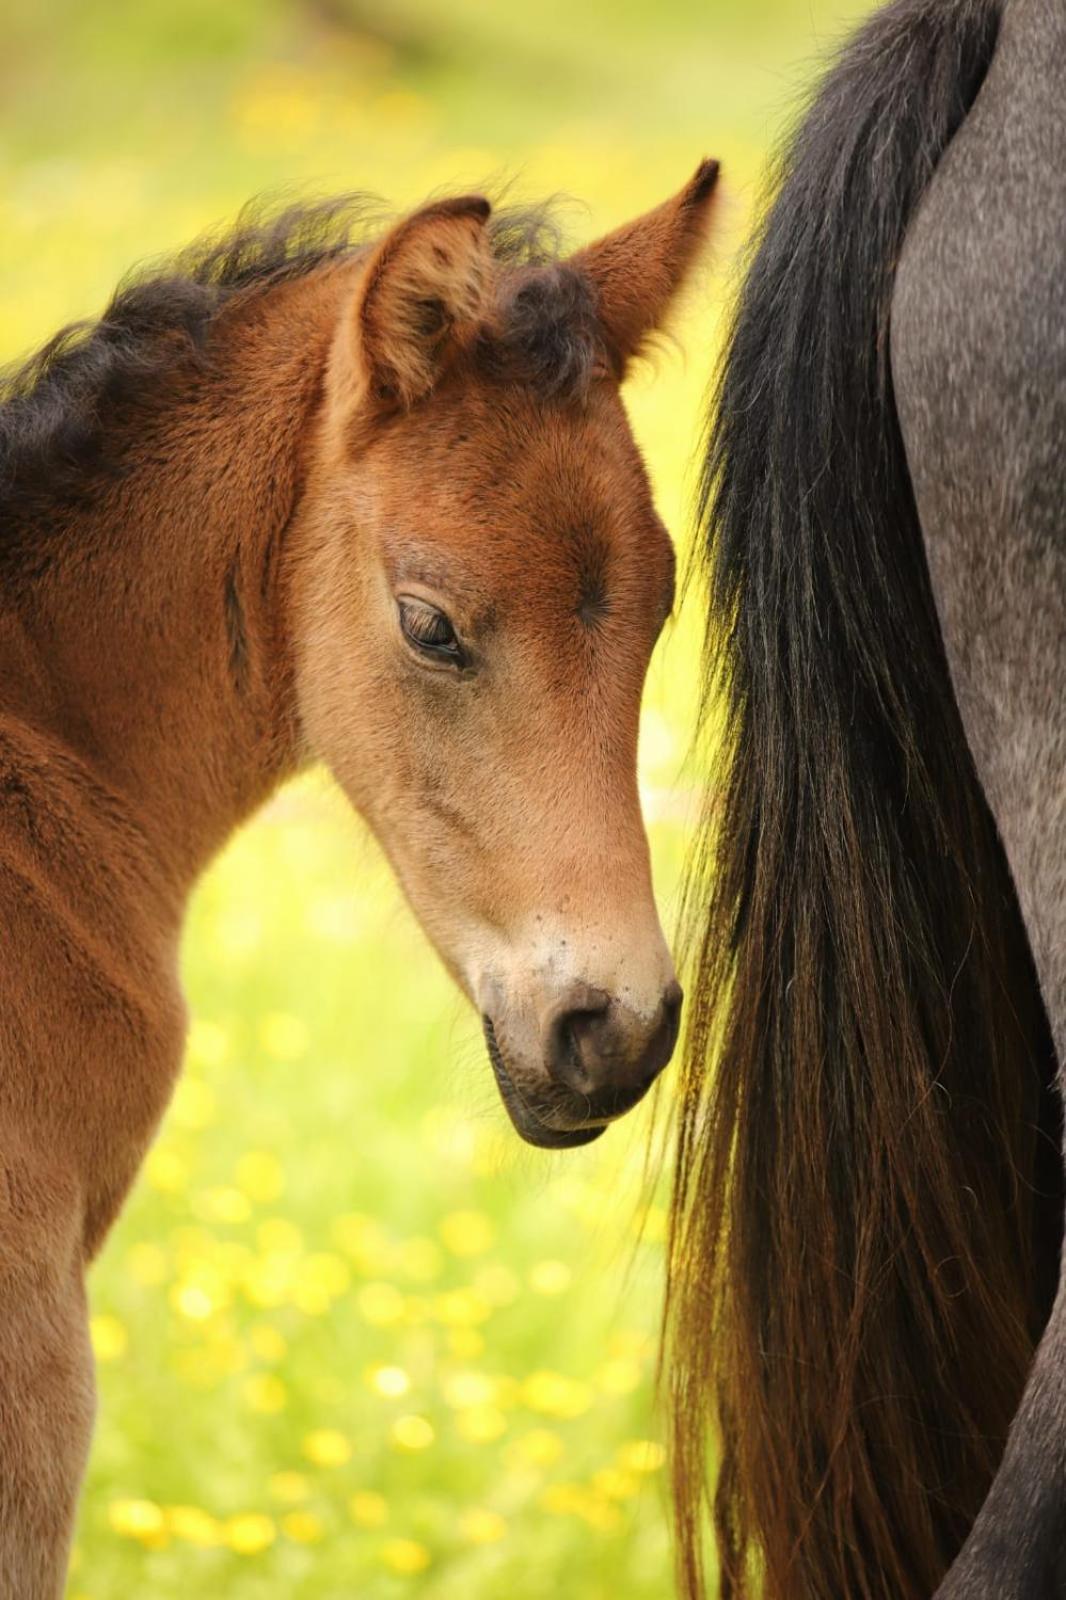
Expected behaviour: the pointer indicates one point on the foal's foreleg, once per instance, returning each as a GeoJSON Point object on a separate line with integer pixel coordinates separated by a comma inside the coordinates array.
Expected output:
{"type": "Point", "coordinates": [46, 1382]}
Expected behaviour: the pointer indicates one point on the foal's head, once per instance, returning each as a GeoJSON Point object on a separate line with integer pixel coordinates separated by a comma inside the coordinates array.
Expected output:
{"type": "Point", "coordinates": [482, 582]}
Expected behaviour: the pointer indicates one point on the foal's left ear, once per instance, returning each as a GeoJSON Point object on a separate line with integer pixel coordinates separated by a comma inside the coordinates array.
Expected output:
{"type": "Point", "coordinates": [639, 268]}
{"type": "Point", "coordinates": [422, 289]}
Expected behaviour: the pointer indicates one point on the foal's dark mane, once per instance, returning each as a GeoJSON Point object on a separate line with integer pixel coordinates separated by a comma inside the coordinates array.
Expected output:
{"type": "Point", "coordinates": [56, 405]}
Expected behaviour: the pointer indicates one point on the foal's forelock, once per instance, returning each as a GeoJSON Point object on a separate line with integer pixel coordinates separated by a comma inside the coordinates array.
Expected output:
{"type": "Point", "coordinates": [68, 412]}
{"type": "Point", "coordinates": [65, 411]}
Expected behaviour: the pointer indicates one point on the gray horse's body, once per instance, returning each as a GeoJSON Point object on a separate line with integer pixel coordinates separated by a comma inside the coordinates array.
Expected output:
{"type": "Point", "coordinates": [979, 363]}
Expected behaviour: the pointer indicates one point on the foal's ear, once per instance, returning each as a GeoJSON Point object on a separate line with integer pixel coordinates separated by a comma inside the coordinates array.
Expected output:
{"type": "Point", "coordinates": [423, 288]}
{"type": "Point", "coordinates": [639, 268]}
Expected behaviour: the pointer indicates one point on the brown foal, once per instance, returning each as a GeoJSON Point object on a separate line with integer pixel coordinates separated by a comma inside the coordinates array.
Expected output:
{"type": "Point", "coordinates": [300, 500]}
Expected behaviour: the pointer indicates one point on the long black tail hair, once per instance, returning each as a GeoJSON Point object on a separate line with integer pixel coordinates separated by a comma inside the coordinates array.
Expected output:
{"type": "Point", "coordinates": [867, 1207]}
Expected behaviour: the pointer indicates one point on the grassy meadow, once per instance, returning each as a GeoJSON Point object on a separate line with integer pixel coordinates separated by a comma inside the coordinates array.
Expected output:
{"type": "Point", "coordinates": [353, 1337]}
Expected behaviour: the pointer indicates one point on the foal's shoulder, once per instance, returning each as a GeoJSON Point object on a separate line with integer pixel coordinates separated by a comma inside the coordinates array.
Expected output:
{"type": "Point", "coordinates": [92, 1019]}
{"type": "Point", "coordinates": [73, 859]}
{"type": "Point", "coordinates": [52, 807]}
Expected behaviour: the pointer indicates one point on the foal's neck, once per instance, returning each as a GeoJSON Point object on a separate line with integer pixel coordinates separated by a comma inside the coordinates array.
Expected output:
{"type": "Point", "coordinates": [154, 644]}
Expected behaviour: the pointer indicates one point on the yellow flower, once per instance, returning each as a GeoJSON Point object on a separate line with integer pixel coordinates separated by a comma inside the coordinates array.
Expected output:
{"type": "Point", "coordinates": [368, 1509]}
{"type": "Point", "coordinates": [109, 1338]}
{"type": "Point", "coordinates": [421, 1260]}
{"type": "Point", "coordinates": [266, 1281]}
{"type": "Point", "coordinates": [193, 1300]}
{"type": "Point", "coordinates": [638, 1346]}
{"type": "Point", "coordinates": [208, 1043]}
{"type": "Point", "coordinates": [191, 1245]}
{"type": "Point", "coordinates": [413, 1433]}
{"type": "Point", "coordinates": [468, 1389]}
{"type": "Point", "coordinates": [417, 1311]}
{"type": "Point", "coordinates": [381, 1304]}
{"type": "Point", "coordinates": [265, 1392]}
{"type": "Point", "coordinates": [405, 1556]}
{"type": "Point", "coordinates": [194, 1526]}
{"type": "Point", "coordinates": [194, 1103]}
{"type": "Point", "coordinates": [481, 1424]}
{"type": "Point", "coordinates": [466, 1343]}
{"type": "Point", "coordinates": [147, 1263]}
{"type": "Point", "coordinates": [601, 1514]}
{"type": "Point", "coordinates": [556, 1395]}
{"type": "Point", "coordinates": [223, 1205]}
{"type": "Point", "coordinates": [250, 1533]}
{"type": "Point", "coordinates": [303, 1527]}
{"type": "Point", "coordinates": [467, 1233]}
{"type": "Point", "coordinates": [461, 1308]}
{"type": "Point", "coordinates": [203, 1288]}
{"type": "Point", "coordinates": [619, 1377]}
{"type": "Point", "coordinates": [259, 1173]}
{"type": "Point", "coordinates": [320, 1278]}
{"type": "Point", "coordinates": [550, 1277]}
{"type": "Point", "coordinates": [391, 1382]}
{"type": "Point", "coordinates": [267, 1342]}
{"type": "Point", "coordinates": [498, 1285]}
{"type": "Point", "coordinates": [166, 1171]}
{"type": "Point", "coordinates": [225, 1353]}
{"type": "Point", "coordinates": [355, 1232]}
{"type": "Point", "coordinates": [289, 1486]}
{"type": "Point", "coordinates": [540, 1447]}
{"type": "Point", "coordinates": [640, 1455]}
{"type": "Point", "coordinates": [283, 1036]}
{"type": "Point", "coordinates": [572, 1499]}
{"type": "Point", "coordinates": [327, 1448]}
{"type": "Point", "coordinates": [138, 1519]}
{"type": "Point", "coordinates": [614, 1484]}
{"type": "Point", "coordinates": [278, 1236]}
{"type": "Point", "coordinates": [564, 1499]}
{"type": "Point", "coordinates": [478, 1526]}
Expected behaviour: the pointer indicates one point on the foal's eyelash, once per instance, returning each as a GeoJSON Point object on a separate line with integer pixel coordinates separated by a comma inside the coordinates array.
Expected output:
{"type": "Point", "coordinates": [428, 629]}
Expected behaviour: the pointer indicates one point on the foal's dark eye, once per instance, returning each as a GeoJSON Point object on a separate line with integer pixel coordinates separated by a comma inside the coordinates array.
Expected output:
{"type": "Point", "coordinates": [428, 630]}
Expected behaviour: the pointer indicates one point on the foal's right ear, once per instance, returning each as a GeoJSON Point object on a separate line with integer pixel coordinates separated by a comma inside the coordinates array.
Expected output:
{"type": "Point", "coordinates": [422, 291]}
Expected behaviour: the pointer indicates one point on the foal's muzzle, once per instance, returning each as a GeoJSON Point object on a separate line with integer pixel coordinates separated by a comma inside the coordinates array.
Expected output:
{"type": "Point", "coordinates": [600, 1059]}
{"type": "Point", "coordinates": [528, 1122]}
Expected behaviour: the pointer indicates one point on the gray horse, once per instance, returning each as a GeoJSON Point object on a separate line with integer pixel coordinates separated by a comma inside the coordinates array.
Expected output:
{"type": "Point", "coordinates": [979, 361]}
{"type": "Point", "coordinates": [869, 1197]}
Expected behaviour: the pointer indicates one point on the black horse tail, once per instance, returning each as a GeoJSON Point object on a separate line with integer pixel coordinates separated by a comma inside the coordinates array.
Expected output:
{"type": "Point", "coordinates": [867, 1207]}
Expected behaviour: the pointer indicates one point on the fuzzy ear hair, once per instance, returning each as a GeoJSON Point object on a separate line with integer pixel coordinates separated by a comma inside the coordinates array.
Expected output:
{"type": "Point", "coordinates": [425, 284]}
{"type": "Point", "coordinates": [639, 268]}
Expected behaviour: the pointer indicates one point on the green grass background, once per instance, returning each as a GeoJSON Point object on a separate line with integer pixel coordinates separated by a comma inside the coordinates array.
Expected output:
{"type": "Point", "coordinates": [354, 1339]}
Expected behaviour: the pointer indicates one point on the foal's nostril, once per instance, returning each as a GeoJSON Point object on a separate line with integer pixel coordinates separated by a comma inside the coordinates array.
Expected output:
{"type": "Point", "coordinates": [600, 1051]}
{"type": "Point", "coordinates": [574, 1046]}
